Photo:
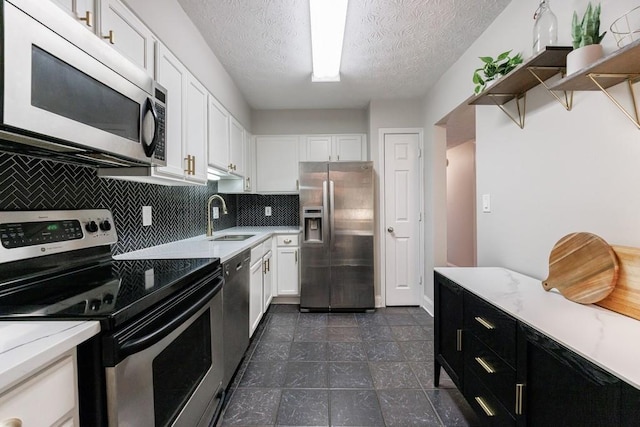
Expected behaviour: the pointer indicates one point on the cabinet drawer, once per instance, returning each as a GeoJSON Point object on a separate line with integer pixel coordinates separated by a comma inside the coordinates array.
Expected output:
{"type": "Point", "coordinates": [491, 370]}
{"type": "Point", "coordinates": [52, 391]}
{"type": "Point", "coordinates": [491, 326]}
{"type": "Point", "coordinates": [484, 403]}
{"type": "Point", "coordinates": [256, 253]}
{"type": "Point", "coordinates": [288, 240]}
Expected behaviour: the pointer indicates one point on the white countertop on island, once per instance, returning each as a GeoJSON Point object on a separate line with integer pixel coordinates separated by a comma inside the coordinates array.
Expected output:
{"type": "Point", "coordinates": [606, 338]}
{"type": "Point", "coordinates": [205, 247]}
{"type": "Point", "coordinates": [26, 346]}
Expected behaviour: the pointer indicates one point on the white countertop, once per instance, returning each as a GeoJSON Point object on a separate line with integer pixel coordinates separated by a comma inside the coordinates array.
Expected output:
{"type": "Point", "coordinates": [606, 338]}
{"type": "Point", "coordinates": [204, 247]}
{"type": "Point", "coordinates": [26, 346]}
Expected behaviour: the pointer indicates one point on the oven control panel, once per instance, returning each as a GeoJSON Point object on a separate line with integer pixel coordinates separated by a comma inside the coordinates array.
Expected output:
{"type": "Point", "coordinates": [28, 234]}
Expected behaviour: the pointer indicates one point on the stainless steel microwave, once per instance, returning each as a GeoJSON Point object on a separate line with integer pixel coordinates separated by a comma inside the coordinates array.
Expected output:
{"type": "Point", "coordinates": [66, 95]}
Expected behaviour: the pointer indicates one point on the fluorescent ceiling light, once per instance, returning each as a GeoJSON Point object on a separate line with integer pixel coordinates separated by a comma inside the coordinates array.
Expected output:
{"type": "Point", "coordinates": [328, 19]}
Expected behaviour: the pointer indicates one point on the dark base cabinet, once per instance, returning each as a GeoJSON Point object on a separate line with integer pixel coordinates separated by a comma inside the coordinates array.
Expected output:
{"type": "Point", "coordinates": [513, 375]}
{"type": "Point", "coordinates": [448, 324]}
{"type": "Point", "coordinates": [561, 388]}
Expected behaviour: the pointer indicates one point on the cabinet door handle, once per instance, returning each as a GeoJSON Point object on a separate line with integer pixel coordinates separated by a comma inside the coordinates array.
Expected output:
{"type": "Point", "coordinates": [485, 365]}
{"type": "Point", "coordinates": [459, 340]}
{"type": "Point", "coordinates": [189, 160]}
{"type": "Point", "coordinates": [264, 267]}
{"type": "Point", "coordinates": [297, 184]}
{"type": "Point", "coordinates": [519, 398]}
{"type": "Point", "coordinates": [296, 256]}
{"type": "Point", "coordinates": [487, 410]}
{"type": "Point", "coordinates": [87, 18]}
{"type": "Point", "coordinates": [111, 37]}
{"type": "Point", "coordinates": [193, 165]}
{"type": "Point", "coordinates": [485, 323]}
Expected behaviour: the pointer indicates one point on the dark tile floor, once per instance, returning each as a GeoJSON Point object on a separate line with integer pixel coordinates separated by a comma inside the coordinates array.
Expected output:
{"type": "Point", "coordinates": [361, 369]}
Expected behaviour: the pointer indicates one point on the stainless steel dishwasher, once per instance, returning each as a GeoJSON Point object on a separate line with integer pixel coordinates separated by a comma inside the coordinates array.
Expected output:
{"type": "Point", "coordinates": [235, 312]}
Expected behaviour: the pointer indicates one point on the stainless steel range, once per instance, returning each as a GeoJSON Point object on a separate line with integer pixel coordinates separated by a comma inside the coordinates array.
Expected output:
{"type": "Point", "coordinates": [158, 360]}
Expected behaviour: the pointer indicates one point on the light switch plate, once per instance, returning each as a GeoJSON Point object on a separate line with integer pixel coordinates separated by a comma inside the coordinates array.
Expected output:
{"type": "Point", "coordinates": [267, 211]}
{"type": "Point", "coordinates": [486, 203]}
{"type": "Point", "coordinates": [146, 216]}
{"type": "Point", "coordinates": [216, 212]}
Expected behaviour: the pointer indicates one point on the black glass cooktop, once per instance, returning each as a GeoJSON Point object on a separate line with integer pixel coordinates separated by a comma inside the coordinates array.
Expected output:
{"type": "Point", "coordinates": [111, 291]}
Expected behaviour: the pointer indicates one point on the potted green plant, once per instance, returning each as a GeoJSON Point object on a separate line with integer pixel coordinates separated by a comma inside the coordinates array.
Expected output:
{"type": "Point", "coordinates": [586, 39]}
{"type": "Point", "coordinates": [493, 69]}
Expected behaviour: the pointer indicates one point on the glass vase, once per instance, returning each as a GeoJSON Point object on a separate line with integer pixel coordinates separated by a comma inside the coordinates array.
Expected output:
{"type": "Point", "coordinates": [545, 29]}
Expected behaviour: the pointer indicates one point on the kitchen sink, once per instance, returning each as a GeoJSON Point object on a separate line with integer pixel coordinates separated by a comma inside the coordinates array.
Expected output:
{"type": "Point", "coordinates": [232, 237]}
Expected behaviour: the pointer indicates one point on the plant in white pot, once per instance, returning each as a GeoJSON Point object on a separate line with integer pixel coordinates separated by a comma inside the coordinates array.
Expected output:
{"type": "Point", "coordinates": [586, 40]}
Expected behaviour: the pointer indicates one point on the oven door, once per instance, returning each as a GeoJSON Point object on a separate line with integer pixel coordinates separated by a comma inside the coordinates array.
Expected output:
{"type": "Point", "coordinates": [60, 90]}
{"type": "Point", "coordinates": [172, 367]}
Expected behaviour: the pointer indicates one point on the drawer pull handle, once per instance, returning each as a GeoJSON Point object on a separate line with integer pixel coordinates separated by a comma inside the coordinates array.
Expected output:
{"type": "Point", "coordinates": [519, 398]}
{"type": "Point", "coordinates": [287, 241]}
{"type": "Point", "coordinates": [485, 323]}
{"type": "Point", "coordinates": [459, 340]}
{"type": "Point", "coordinates": [487, 410]}
{"type": "Point", "coordinates": [485, 365]}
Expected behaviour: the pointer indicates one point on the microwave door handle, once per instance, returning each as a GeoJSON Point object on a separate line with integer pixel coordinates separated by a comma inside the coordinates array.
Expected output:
{"type": "Point", "coordinates": [137, 344]}
{"type": "Point", "coordinates": [149, 146]}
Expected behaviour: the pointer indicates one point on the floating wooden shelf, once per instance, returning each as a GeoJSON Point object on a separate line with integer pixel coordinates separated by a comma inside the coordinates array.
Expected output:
{"type": "Point", "coordinates": [546, 64]}
{"type": "Point", "coordinates": [623, 63]}
{"type": "Point", "coordinates": [536, 70]}
{"type": "Point", "coordinates": [620, 66]}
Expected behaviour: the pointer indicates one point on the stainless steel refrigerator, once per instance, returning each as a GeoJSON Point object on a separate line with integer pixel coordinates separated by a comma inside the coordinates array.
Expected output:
{"type": "Point", "coordinates": [337, 213]}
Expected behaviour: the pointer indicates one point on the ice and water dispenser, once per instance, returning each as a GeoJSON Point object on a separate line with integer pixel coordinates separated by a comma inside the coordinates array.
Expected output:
{"type": "Point", "coordinates": [312, 221]}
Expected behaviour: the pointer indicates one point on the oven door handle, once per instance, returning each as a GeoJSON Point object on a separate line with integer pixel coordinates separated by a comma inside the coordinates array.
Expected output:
{"type": "Point", "coordinates": [135, 345]}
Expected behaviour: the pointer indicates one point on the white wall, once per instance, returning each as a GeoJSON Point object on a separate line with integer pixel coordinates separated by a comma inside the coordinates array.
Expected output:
{"type": "Point", "coordinates": [297, 122]}
{"type": "Point", "coordinates": [170, 23]}
{"type": "Point", "coordinates": [564, 172]}
{"type": "Point", "coordinates": [461, 205]}
{"type": "Point", "coordinates": [388, 114]}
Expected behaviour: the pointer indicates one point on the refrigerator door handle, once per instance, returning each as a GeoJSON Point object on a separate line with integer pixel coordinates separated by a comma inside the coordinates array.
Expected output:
{"type": "Point", "coordinates": [325, 207]}
{"type": "Point", "coordinates": [332, 212]}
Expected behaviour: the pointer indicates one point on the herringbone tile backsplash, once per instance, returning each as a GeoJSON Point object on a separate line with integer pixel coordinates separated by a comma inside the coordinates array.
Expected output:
{"type": "Point", "coordinates": [178, 212]}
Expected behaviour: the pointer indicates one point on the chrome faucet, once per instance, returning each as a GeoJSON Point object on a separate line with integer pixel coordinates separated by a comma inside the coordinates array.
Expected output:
{"type": "Point", "coordinates": [224, 211]}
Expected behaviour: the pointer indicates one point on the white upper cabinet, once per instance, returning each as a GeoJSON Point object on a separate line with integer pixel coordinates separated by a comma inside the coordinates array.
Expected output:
{"type": "Point", "coordinates": [276, 164]}
{"type": "Point", "coordinates": [334, 148]}
{"type": "Point", "coordinates": [347, 148]}
{"type": "Point", "coordinates": [236, 147]}
{"type": "Point", "coordinates": [226, 140]}
{"type": "Point", "coordinates": [186, 121]}
{"type": "Point", "coordinates": [218, 135]}
{"type": "Point", "coordinates": [195, 143]}
{"type": "Point", "coordinates": [173, 76]}
{"type": "Point", "coordinates": [317, 148]}
{"type": "Point", "coordinates": [82, 10]}
{"type": "Point", "coordinates": [127, 34]}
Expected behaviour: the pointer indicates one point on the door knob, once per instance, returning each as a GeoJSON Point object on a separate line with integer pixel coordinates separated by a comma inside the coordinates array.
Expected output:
{"type": "Point", "coordinates": [390, 229]}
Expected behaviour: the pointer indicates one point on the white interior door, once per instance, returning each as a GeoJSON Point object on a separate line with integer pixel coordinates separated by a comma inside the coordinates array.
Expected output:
{"type": "Point", "coordinates": [402, 218]}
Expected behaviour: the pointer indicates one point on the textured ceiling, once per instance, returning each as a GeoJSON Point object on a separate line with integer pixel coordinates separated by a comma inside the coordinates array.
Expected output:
{"type": "Point", "coordinates": [392, 48]}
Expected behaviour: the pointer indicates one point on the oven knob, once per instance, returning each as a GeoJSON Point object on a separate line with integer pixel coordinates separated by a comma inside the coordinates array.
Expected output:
{"type": "Point", "coordinates": [91, 227]}
{"type": "Point", "coordinates": [107, 298]}
{"type": "Point", "coordinates": [105, 225]}
{"type": "Point", "coordinates": [95, 304]}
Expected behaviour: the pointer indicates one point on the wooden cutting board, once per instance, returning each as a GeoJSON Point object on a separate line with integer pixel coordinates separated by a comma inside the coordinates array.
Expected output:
{"type": "Point", "coordinates": [625, 298]}
{"type": "Point", "coordinates": [583, 267]}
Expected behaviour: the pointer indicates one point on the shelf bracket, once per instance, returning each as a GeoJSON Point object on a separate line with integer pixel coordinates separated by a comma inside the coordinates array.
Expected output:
{"type": "Point", "coordinates": [567, 103]}
{"type": "Point", "coordinates": [521, 103]}
{"type": "Point", "coordinates": [631, 79]}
